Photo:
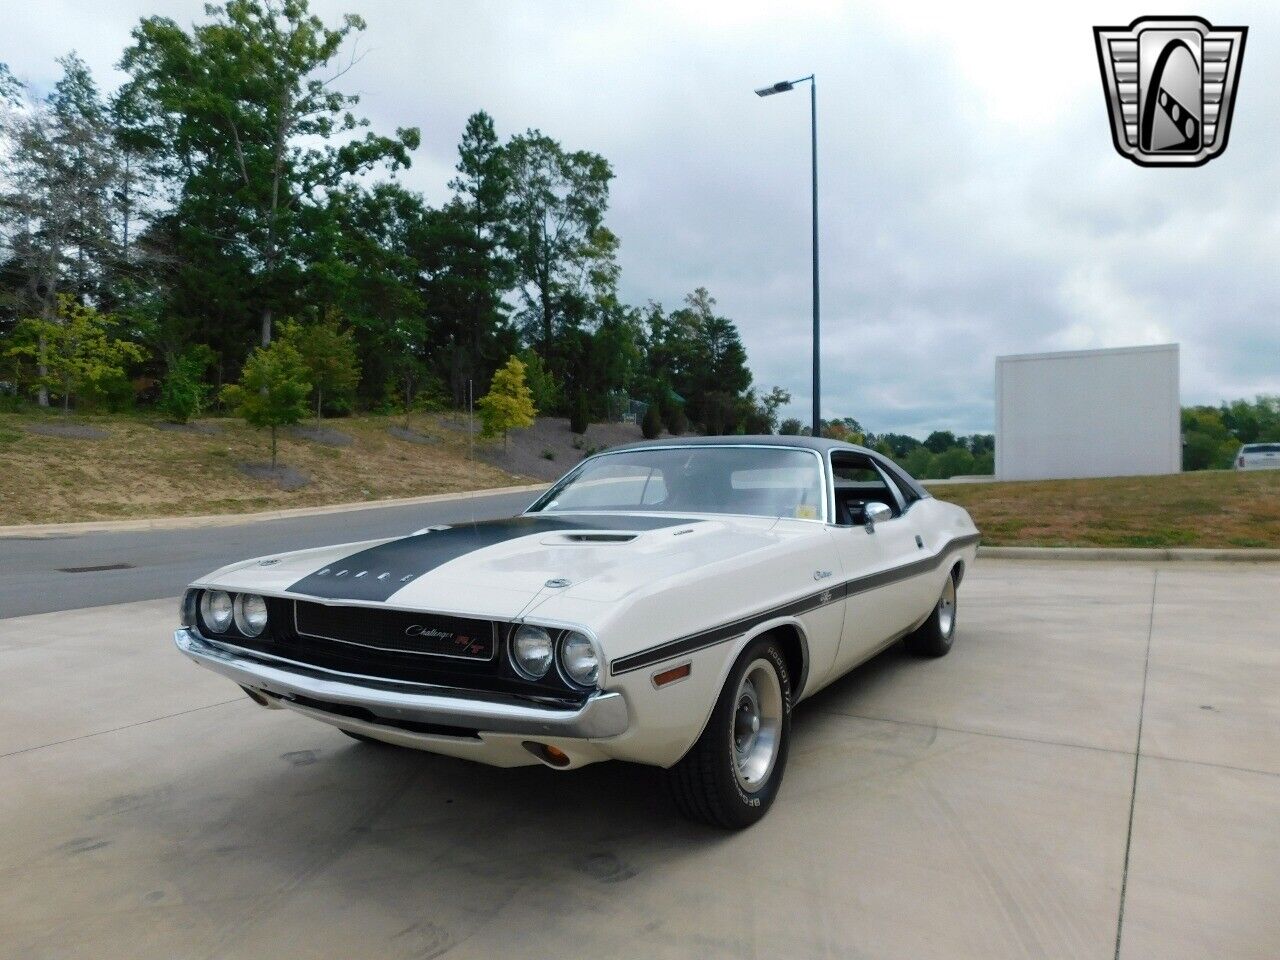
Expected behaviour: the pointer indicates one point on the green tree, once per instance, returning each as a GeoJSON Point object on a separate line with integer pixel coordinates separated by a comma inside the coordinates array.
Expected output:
{"type": "Point", "coordinates": [1209, 444]}
{"type": "Point", "coordinates": [768, 406]}
{"type": "Point", "coordinates": [564, 256]}
{"type": "Point", "coordinates": [543, 386]}
{"type": "Point", "coordinates": [940, 441]}
{"type": "Point", "coordinates": [846, 429]}
{"type": "Point", "coordinates": [790, 427]}
{"type": "Point", "coordinates": [184, 392]}
{"type": "Point", "coordinates": [328, 352]}
{"type": "Point", "coordinates": [900, 443]}
{"type": "Point", "coordinates": [272, 391]}
{"type": "Point", "coordinates": [75, 351]}
{"type": "Point", "coordinates": [700, 355]}
{"type": "Point", "coordinates": [249, 111]}
{"type": "Point", "coordinates": [480, 268]}
{"type": "Point", "coordinates": [919, 463]}
{"type": "Point", "coordinates": [508, 404]}
{"type": "Point", "coordinates": [57, 167]}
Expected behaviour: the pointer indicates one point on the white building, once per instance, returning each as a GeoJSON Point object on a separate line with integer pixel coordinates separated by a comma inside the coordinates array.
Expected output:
{"type": "Point", "coordinates": [1088, 413]}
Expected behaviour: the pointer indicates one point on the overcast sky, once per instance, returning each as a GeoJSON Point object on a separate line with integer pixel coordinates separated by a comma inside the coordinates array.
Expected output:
{"type": "Point", "coordinates": [972, 203]}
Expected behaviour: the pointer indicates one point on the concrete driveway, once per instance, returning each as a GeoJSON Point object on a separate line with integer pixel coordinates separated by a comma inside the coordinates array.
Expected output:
{"type": "Point", "coordinates": [1094, 771]}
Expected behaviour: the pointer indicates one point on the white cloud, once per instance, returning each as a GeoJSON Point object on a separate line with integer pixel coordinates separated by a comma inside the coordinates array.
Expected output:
{"type": "Point", "coordinates": [972, 203]}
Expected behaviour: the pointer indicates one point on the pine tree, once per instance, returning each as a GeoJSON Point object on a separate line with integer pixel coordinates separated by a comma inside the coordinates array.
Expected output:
{"type": "Point", "coordinates": [508, 404]}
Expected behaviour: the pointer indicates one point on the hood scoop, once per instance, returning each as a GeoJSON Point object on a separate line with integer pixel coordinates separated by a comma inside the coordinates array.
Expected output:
{"type": "Point", "coordinates": [595, 538]}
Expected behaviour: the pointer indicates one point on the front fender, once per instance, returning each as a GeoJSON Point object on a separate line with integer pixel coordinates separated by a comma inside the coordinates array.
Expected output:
{"type": "Point", "coordinates": [666, 722]}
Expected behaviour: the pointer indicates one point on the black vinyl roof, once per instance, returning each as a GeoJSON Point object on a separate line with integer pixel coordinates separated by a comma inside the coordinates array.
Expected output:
{"type": "Point", "coordinates": [821, 444]}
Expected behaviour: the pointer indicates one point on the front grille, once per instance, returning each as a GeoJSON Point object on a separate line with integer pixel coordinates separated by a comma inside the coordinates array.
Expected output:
{"type": "Point", "coordinates": [422, 634]}
{"type": "Point", "coordinates": [369, 642]}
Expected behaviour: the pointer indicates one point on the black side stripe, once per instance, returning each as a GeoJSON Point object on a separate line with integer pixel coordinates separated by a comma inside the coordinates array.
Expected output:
{"type": "Point", "coordinates": [694, 642]}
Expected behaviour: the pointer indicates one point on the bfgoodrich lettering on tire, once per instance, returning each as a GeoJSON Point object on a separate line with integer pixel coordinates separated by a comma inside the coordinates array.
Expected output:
{"type": "Point", "coordinates": [731, 775]}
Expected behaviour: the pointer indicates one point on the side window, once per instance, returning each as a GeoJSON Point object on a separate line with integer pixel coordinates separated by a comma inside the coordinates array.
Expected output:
{"type": "Point", "coordinates": [858, 482]}
{"type": "Point", "coordinates": [909, 496]}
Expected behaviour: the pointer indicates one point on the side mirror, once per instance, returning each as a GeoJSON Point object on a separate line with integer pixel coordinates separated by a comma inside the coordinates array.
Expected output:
{"type": "Point", "coordinates": [874, 513]}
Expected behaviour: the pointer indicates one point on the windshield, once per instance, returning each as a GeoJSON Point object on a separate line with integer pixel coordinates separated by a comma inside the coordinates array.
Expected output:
{"type": "Point", "coordinates": [754, 481]}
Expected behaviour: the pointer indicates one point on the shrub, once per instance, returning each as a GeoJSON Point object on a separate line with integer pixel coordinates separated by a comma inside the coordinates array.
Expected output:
{"type": "Point", "coordinates": [579, 416]}
{"type": "Point", "coordinates": [651, 425]}
{"type": "Point", "coordinates": [548, 454]}
{"type": "Point", "coordinates": [953, 462]}
{"type": "Point", "coordinates": [184, 393]}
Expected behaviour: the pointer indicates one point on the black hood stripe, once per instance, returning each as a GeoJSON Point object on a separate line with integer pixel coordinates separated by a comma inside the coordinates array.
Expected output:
{"type": "Point", "coordinates": [378, 572]}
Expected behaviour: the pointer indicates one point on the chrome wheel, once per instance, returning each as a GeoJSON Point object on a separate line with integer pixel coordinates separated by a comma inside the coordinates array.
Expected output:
{"type": "Point", "coordinates": [947, 608]}
{"type": "Point", "coordinates": [757, 725]}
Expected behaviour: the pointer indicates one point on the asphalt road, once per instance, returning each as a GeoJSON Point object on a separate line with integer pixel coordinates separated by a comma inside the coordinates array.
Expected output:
{"type": "Point", "coordinates": [48, 574]}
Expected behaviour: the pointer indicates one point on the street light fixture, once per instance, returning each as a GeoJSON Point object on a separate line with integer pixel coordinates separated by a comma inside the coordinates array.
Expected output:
{"type": "Point", "coordinates": [783, 86]}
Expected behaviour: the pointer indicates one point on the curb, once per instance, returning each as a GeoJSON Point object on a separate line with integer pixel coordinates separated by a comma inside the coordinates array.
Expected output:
{"type": "Point", "coordinates": [44, 530]}
{"type": "Point", "coordinates": [1235, 555]}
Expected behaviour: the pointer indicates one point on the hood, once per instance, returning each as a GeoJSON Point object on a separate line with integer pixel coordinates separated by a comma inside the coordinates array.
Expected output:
{"type": "Point", "coordinates": [497, 568]}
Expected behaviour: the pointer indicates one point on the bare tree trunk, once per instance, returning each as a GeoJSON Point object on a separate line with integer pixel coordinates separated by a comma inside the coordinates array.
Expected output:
{"type": "Point", "coordinates": [545, 288]}
{"type": "Point", "coordinates": [42, 398]}
{"type": "Point", "coordinates": [273, 446]}
{"type": "Point", "coordinates": [319, 401]}
{"type": "Point", "coordinates": [266, 326]}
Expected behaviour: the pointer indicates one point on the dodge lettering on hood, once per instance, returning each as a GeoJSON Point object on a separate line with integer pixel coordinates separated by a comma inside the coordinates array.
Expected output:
{"type": "Point", "coordinates": [666, 603]}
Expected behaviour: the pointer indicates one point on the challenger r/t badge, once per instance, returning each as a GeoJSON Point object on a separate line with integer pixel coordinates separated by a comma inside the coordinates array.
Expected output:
{"type": "Point", "coordinates": [1170, 84]}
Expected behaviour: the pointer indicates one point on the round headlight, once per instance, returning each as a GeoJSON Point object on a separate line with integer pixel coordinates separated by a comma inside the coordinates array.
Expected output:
{"type": "Point", "coordinates": [215, 610]}
{"type": "Point", "coordinates": [579, 660]}
{"type": "Point", "coordinates": [251, 614]}
{"type": "Point", "coordinates": [532, 651]}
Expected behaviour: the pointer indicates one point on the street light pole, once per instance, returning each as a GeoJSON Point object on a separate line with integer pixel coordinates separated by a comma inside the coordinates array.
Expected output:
{"type": "Point", "coordinates": [782, 87]}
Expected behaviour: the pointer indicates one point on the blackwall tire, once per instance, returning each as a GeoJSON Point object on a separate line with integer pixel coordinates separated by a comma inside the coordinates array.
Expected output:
{"type": "Point", "coordinates": [731, 776]}
{"type": "Point", "coordinates": [936, 635]}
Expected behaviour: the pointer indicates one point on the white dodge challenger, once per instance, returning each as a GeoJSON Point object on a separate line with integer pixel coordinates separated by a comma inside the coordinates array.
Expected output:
{"type": "Point", "coordinates": [666, 603]}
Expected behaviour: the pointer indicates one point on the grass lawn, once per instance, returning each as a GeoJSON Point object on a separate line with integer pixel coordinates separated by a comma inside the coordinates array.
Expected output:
{"type": "Point", "coordinates": [141, 470]}
{"type": "Point", "coordinates": [1206, 509]}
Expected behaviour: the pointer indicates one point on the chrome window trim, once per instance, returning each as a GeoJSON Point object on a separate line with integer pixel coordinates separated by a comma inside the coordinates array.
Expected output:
{"type": "Point", "coordinates": [876, 465]}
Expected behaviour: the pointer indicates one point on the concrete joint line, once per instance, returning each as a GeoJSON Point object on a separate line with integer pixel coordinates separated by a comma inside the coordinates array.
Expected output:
{"type": "Point", "coordinates": [1137, 759]}
{"type": "Point", "coordinates": [1261, 555]}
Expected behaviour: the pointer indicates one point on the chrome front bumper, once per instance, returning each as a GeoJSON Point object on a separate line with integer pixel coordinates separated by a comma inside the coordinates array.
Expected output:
{"type": "Point", "coordinates": [603, 714]}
